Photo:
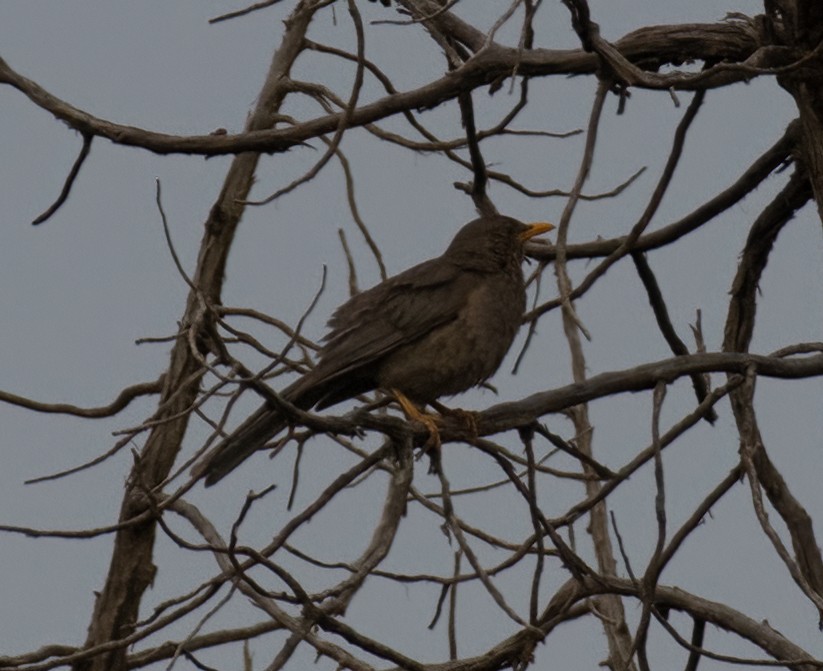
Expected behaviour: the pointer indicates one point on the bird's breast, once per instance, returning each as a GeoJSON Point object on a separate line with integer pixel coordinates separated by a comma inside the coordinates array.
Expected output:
{"type": "Point", "coordinates": [463, 352]}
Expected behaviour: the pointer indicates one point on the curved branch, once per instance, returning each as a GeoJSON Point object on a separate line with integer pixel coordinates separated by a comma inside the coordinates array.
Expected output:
{"type": "Point", "coordinates": [72, 176]}
{"type": "Point", "coordinates": [511, 415]}
{"type": "Point", "coordinates": [674, 44]}
{"type": "Point", "coordinates": [754, 175]}
{"type": "Point", "coordinates": [123, 399]}
{"type": "Point", "coordinates": [761, 634]}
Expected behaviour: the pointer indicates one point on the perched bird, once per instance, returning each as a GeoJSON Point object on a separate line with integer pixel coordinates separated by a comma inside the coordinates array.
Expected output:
{"type": "Point", "coordinates": [433, 330]}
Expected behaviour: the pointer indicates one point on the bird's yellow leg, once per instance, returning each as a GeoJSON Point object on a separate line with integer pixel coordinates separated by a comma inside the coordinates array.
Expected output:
{"type": "Point", "coordinates": [412, 412]}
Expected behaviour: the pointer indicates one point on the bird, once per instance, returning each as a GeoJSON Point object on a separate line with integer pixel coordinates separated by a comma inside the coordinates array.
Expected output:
{"type": "Point", "coordinates": [435, 329]}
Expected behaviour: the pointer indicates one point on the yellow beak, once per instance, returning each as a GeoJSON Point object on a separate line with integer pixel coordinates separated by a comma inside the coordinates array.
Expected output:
{"type": "Point", "coordinates": [536, 228]}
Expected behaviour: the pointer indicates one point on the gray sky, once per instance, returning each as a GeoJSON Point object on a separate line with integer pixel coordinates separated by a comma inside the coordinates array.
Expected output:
{"type": "Point", "coordinates": [78, 290]}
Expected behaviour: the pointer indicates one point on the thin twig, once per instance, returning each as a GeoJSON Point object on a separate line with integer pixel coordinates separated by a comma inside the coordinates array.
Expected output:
{"type": "Point", "coordinates": [70, 179]}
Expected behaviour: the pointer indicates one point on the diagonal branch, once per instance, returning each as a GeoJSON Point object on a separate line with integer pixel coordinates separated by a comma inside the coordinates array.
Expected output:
{"type": "Point", "coordinates": [715, 42]}
{"type": "Point", "coordinates": [132, 570]}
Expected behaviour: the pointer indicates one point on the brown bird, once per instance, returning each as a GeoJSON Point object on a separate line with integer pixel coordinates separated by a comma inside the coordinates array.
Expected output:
{"type": "Point", "coordinates": [434, 330]}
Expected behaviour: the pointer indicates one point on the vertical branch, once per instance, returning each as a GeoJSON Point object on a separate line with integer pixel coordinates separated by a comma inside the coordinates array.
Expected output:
{"type": "Point", "coordinates": [799, 24]}
{"type": "Point", "coordinates": [132, 569]}
{"type": "Point", "coordinates": [453, 607]}
{"type": "Point", "coordinates": [664, 323]}
{"type": "Point", "coordinates": [738, 333]}
{"type": "Point", "coordinates": [750, 445]}
{"type": "Point", "coordinates": [481, 199]}
{"type": "Point", "coordinates": [538, 535]}
{"type": "Point", "coordinates": [649, 584]}
{"type": "Point", "coordinates": [614, 622]}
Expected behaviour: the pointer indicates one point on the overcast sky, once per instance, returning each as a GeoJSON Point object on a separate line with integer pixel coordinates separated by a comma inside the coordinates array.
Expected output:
{"type": "Point", "coordinates": [79, 290]}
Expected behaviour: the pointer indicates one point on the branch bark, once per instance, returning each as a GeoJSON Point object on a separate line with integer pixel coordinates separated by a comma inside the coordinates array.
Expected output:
{"type": "Point", "coordinates": [132, 569]}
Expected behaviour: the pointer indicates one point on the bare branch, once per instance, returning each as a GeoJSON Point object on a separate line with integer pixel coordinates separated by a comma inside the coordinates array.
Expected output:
{"type": "Point", "coordinates": [70, 179]}
{"type": "Point", "coordinates": [123, 399]}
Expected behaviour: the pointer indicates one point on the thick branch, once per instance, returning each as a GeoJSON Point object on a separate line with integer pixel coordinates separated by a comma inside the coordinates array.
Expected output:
{"type": "Point", "coordinates": [642, 378]}
{"type": "Point", "coordinates": [673, 44]}
{"type": "Point", "coordinates": [131, 571]}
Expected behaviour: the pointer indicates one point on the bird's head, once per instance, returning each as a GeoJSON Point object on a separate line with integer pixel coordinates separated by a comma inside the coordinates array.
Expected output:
{"type": "Point", "coordinates": [493, 242]}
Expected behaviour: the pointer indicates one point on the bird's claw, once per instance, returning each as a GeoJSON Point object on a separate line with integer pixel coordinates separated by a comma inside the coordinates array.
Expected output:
{"type": "Point", "coordinates": [466, 417]}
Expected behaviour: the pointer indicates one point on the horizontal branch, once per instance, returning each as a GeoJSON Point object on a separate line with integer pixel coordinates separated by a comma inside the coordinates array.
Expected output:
{"type": "Point", "coordinates": [760, 633]}
{"type": "Point", "coordinates": [123, 399]}
{"type": "Point", "coordinates": [642, 378]}
{"type": "Point", "coordinates": [728, 41]}
{"type": "Point", "coordinates": [751, 178]}
{"type": "Point", "coordinates": [517, 414]}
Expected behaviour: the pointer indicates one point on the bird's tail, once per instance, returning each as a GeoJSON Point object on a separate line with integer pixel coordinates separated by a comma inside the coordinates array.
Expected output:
{"type": "Point", "coordinates": [250, 436]}
{"type": "Point", "coordinates": [260, 427]}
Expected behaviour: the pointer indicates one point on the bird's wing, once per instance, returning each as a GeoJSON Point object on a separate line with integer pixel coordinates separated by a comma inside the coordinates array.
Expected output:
{"type": "Point", "coordinates": [396, 312]}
